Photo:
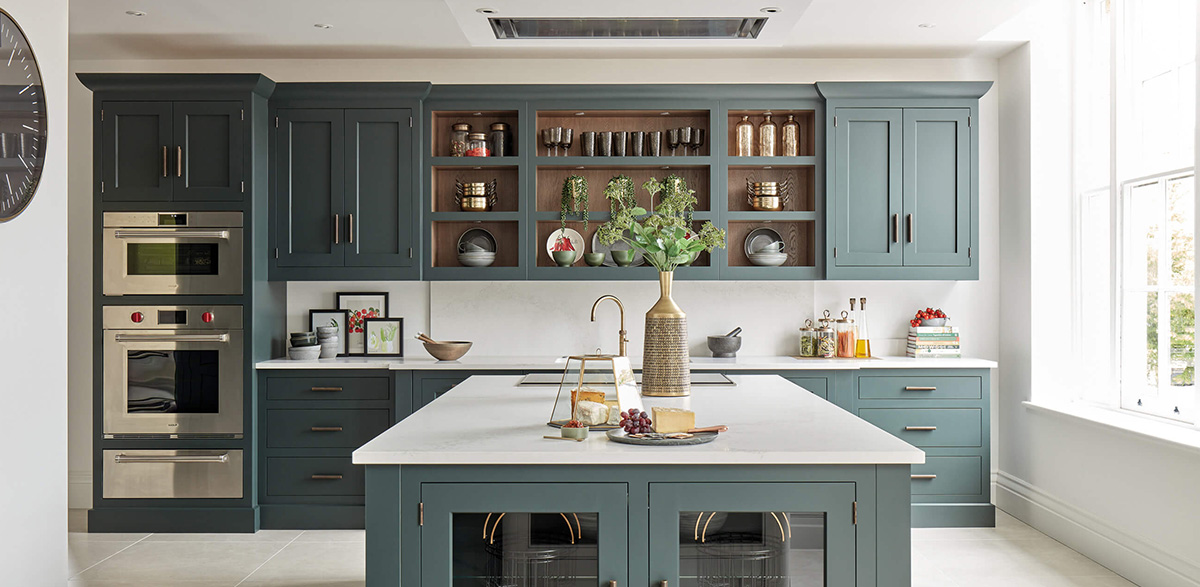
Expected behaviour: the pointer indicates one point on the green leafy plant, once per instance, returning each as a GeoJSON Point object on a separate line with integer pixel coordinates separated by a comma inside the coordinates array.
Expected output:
{"type": "Point", "coordinates": [574, 199]}
{"type": "Point", "coordinates": [665, 235]}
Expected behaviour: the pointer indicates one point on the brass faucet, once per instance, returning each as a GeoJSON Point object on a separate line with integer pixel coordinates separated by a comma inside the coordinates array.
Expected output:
{"type": "Point", "coordinates": [622, 339]}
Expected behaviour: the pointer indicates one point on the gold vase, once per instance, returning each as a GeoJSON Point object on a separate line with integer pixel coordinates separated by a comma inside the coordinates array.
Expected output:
{"type": "Point", "coordinates": [666, 368]}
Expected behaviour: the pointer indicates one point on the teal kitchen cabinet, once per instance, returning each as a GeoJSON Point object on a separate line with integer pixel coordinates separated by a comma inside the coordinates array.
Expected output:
{"type": "Point", "coordinates": [163, 151]}
{"type": "Point", "coordinates": [903, 175]}
{"type": "Point", "coordinates": [310, 188]}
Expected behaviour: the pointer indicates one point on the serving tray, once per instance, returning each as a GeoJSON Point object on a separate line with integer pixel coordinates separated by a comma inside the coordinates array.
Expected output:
{"type": "Point", "coordinates": [697, 438]}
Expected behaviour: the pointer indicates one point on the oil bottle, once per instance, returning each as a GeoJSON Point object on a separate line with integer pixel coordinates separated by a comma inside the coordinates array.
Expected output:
{"type": "Point", "coordinates": [863, 348]}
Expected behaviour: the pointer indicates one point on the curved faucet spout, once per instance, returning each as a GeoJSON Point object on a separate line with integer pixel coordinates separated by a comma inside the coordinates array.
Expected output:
{"type": "Point", "coordinates": [622, 340]}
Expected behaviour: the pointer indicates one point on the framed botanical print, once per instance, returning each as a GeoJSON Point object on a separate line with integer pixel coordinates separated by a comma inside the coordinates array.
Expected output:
{"type": "Point", "coordinates": [383, 337]}
{"type": "Point", "coordinates": [339, 318]}
{"type": "Point", "coordinates": [360, 306]}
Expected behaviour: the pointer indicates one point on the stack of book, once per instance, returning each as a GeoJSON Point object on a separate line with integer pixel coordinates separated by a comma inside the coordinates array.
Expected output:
{"type": "Point", "coordinates": [933, 342]}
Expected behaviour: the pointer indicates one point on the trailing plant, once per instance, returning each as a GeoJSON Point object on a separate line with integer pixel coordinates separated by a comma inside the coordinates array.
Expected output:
{"type": "Point", "coordinates": [574, 200]}
{"type": "Point", "coordinates": [665, 235]}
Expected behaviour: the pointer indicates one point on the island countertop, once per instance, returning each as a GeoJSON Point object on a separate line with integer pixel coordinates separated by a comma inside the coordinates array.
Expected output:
{"type": "Point", "coordinates": [489, 420]}
{"type": "Point", "coordinates": [536, 363]}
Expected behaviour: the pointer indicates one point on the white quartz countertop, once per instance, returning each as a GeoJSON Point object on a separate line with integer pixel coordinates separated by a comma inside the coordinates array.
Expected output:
{"type": "Point", "coordinates": [517, 363]}
{"type": "Point", "coordinates": [489, 420]}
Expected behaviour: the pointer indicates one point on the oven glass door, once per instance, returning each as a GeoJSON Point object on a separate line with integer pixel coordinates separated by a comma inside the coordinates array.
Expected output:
{"type": "Point", "coordinates": [172, 261]}
{"type": "Point", "coordinates": [173, 382]}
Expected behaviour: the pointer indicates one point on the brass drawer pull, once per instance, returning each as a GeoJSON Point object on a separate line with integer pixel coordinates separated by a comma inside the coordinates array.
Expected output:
{"type": "Point", "coordinates": [351, 229]}
{"type": "Point", "coordinates": [165, 172]}
{"type": "Point", "coordinates": [908, 388]}
{"type": "Point", "coordinates": [320, 477]}
{"type": "Point", "coordinates": [921, 428]}
{"type": "Point", "coordinates": [895, 228]}
{"type": "Point", "coordinates": [326, 428]}
{"type": "Point", "coordinates": [326, 389]}
{"type": "Point", "coordinates": [337, 229]}
{"type": "Point", "coordinates": [179, 161]}
{"type": "Point", "coordinates": [924, 477]}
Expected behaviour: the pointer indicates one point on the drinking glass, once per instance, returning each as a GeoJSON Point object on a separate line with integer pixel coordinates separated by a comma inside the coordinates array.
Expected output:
{"type": "Point", "coordinates": [604, 142]}
{"type": "Point", "coordinates": [557, 135]}
{"type": "Point", "coordinates": [673, 139]}
{"type": "Point", "coordinates": [637, 143]}
{"type": "Point", "coordinates": [685, 139]}
{"type": "Point", "coordinates": [620, 139]}
{"type": "Point", "coordinates": [587, 143]}
{"type": "Point", "coordinates": [567, 137]}
{"type": "Point", "coordinates": [697, 140]}
{"type": "Point", "coordinates": [548, 139]}
{"type": "Point", "coordinates": [655, 145]}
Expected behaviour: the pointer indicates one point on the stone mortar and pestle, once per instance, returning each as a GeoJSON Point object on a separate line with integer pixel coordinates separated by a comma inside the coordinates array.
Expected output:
{"type": "Point", "coordinates": [726, 346]}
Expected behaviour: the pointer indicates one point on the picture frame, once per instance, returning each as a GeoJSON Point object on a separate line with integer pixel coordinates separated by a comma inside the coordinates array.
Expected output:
{"type": "Point", "coordinates": [360, 306]}
{"type": "Point", "coordinates": [331, 317]}
{"type": "Point", "coordinates": [383, 337]}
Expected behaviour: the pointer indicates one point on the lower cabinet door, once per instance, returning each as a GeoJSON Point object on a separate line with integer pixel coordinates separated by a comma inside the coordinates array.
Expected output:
{"type": "Point", "coordinates": [752, 534]}
{"type": "Point", "coordinates": [568, 534]}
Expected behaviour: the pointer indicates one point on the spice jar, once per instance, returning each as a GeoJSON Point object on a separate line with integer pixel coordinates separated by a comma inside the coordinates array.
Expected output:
{"type": "Point", "coordinates": [500, 139]}
{"type": "Point", "coordinates": [826, 342]}
{"type": "Point", "coordinates": [845, 336]}
{"type": "Point", "coordinates": [458, 139]}
{"type": "Point", "coordinates": [477, 145]}
{"type": "Point", "coordinates": [808, 340]}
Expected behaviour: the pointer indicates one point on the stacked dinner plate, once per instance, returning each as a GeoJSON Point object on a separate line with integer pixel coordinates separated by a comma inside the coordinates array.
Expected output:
{"type": "Point", "coordinates": [476, 248]}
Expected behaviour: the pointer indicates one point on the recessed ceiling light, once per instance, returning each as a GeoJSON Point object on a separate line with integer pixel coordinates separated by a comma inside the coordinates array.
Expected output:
{"type": "Point", "coordinates": [486, 10]}
{"type": "Point", "coordinates": [926, 25]}
{"type": "Point", "coordinates": [664, 113]}
{"type": "Point", "coordinates": [580, 113]}
{"type": "Point", "coordinates": [323, 26]}
{"type": "Point", "coordinates": [135, 13]}
{"type": "Point", "coordinates": [769, 9]}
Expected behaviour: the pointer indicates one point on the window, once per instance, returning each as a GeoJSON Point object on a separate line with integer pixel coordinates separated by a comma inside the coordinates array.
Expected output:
{"type": "Point", "coordinates": [1135, 121]}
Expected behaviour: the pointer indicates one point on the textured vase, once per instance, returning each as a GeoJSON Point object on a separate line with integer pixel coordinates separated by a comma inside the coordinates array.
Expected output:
{"type": "Point", "coordinates": [666, 369]}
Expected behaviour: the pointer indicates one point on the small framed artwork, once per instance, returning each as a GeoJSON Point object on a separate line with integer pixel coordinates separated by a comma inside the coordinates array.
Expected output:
{"type": "Point", "coordinates": [360, 306]}
{"type": "Point", "coordinates": [382, 337]}
{"type": "Point", "coordinates": [339, 318]}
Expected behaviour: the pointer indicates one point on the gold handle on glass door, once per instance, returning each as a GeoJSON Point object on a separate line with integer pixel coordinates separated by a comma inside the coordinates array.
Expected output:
{"type": "Point", "coordinates": [910, 228]}
{"type": "Point", "coordinates": [337, 229]}
{"type": "Point", "coordinates": [165, 172]}
{"type": "Point", "coordinates": [895, 228]}
{"type": "Point", "coordinates": [179, 161]}
{"type": "Point", "coordinates": [351, 235]}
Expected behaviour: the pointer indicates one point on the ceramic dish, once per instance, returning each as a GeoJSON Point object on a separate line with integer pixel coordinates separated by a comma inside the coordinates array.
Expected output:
{"type": "Point", "coordinates": [597, 247]}
{"type": "Point", "coordinates": [759, 238]}
{"type": "Point", "coordinates": [304, 353]}
{"type": "Point", "coordinates": [480, 259]}
{"type": "Point", "coordinates": [572, 235]}
{"type": "Point", "coordinates": [477, 237]}
{"type": "Point", "coordinates": [768, 259]}
{"type": "Point", "coordinates": [697, 438]}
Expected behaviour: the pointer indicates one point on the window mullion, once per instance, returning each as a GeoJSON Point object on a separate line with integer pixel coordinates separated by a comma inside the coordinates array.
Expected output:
{"type": "Point", "coordinates": [1164, 299]}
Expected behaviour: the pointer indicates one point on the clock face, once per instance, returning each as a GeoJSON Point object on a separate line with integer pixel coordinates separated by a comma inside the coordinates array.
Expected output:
{"type": "Point", "coordinates": [22, 120]}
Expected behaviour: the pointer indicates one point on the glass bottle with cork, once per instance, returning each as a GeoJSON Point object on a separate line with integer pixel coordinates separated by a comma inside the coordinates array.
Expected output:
{"type": "Point", "coordinates": [862, 349]}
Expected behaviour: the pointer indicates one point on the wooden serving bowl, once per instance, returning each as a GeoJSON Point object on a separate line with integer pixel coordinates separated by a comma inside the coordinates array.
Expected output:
{"type": "Point", "coordinates": [449, 350]}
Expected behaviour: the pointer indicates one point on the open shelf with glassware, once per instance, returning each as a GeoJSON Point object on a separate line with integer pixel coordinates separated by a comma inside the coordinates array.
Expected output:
{"type": "Point", "coordinates": [622, 133]}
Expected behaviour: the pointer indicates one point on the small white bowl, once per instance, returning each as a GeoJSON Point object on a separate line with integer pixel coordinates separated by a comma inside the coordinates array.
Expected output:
{"type": "Point", "coordinates": [304, 353]}
{"type": "Point", "coordinates": [768, 259]}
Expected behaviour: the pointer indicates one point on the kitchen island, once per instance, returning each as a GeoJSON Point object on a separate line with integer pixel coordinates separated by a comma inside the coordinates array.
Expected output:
{"type": "Point", "coordinates": [471, 493]}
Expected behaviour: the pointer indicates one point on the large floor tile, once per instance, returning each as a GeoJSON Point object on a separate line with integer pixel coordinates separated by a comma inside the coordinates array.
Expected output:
{"type": "Point", "coordinates": [260, 536]}
{"type": "Point", "coordinates": [82, 553]}
{"type": "Point", "coordinates": [1007, 528]}
{"type": "Point", "coordinates": [80, 582]}
{"type": "Point", "coordinates": [1036, 580]}
{"type": "Point", "coordinates": [964, 560]}
{"type": "Point", "coordinates": [107, 537]}
{"type": "Point", "coordinates": [172, 562]}
{"type": "Point", "coordinates": [333, 536]}
{"type": "Point", "coordinates": [306, 583]}
{"type": "Point", "coordinates": [315, 563]}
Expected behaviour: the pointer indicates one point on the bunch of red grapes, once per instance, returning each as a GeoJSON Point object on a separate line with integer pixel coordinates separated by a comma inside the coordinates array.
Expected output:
{"type": "Point", "coordinates": [635, 421]}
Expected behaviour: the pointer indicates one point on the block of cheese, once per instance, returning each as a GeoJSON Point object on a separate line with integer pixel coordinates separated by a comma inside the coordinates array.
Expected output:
{"type": "Point", "coordinates": [671, 420]}
{"type": "Point", "coordinates": [614, 412]}
{"type": "Point", "coordinates": [591, 413]}
{"type": "Point", "coordinates": [585, 394]}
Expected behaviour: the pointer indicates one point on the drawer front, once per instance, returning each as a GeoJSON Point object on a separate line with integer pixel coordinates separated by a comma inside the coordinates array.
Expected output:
{"type": "Point", "coordinates": [948, 476]}
{"type": "Point", "coordinates": [927, 428]}
{"type": "Point", "coordinates": [172, 474]}
{"type": "Point", "coordinates": [920, 387]}
{"type": "Point", "coordinates": [324, 428]}
{"type": "Point", "coordinates": [325, 476]}
{"type": "Point", "coordinates": [327, 388]}
{"type": "Point", "coordinates": [817, 385]}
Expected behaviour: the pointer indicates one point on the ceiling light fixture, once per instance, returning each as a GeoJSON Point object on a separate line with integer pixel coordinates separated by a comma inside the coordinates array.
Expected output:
{"type": "Point", "coordinates": [135, 13]}
{"type": "Point", "coordinates": [486, 10]}
{"type": "Point", "coordinates": [323, 26]}
{"type": "Point", "coordinates": [770, 9]}
{"type": "Point", "coordinates": [926, 25]}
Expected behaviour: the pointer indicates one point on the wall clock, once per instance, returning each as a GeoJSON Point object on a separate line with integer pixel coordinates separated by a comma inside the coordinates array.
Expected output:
{"type": "Point", "coordinates": [22, 120]}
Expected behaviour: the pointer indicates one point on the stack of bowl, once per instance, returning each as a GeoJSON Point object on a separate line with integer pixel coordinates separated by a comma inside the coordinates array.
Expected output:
{"type": "Point", "coordinates": [304, 346]}
{"type": "Point", "coordinates": [473, 255]}
{"type": "Point", "coordinates": [771, 255]}
{"type": "Point", "coordinates": [330, 343]}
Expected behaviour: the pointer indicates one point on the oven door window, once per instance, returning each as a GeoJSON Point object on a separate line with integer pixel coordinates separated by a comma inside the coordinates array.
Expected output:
{"type": "Point", "coordinates": [179, 382]}
{"type": "Point", "coordinates": [172, 259]}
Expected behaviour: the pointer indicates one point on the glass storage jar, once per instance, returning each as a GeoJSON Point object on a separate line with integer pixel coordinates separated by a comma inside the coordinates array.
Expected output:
{"type": "Point", "coordinates": [826, 342]}
{"type": "Point", "coordinates": [477, 145]}
{"type": "Point", "coordinates": [500, 139]}
{"type": "Point", "coordinates": [845, 336]}
{"type": "Point", "coordinates": [808, 340]}
{"type": "Point", "coordinates": [458, 139]}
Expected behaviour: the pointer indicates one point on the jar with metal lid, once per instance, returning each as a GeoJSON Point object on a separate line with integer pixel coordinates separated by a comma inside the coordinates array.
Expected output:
{"type": "Point", "coordinates": [458, 139]}
{"type": "Point", "coordinates": [845, 336]}
{"type": "Point", "coordinates": [477, 145]}
{"type": "Point", "coordinates": [826, 342]}
{"type": "Point", "coordinates": [500, 140]}
{"type": "Point", "coordinates": [808, 340]}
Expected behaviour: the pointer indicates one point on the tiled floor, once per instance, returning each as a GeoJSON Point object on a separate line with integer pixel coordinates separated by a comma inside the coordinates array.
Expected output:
{"type": "Point", "coordinates": [1009, 554]}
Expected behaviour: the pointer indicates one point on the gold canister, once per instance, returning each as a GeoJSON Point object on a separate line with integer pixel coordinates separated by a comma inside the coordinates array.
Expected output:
{"type": "Point", "coordinates": [768, 137]}
{"type": "Point", "coordinates": [767, 203]}
{"type": "Point", "coordinates": [791, 137]}
{"type": "Point", "coordinates": [745, 138]}
{"type": "Point", "coordinates": [474, 204]}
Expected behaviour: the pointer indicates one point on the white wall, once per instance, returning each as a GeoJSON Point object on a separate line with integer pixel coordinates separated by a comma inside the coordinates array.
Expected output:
{"type": "Point", "coordinates": [33, 382]}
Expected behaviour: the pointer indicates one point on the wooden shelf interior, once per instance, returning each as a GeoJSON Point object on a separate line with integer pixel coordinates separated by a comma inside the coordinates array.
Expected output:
{"type": "Point", "coordinates": [480, 121]}
{"type": "Point", "coordinates": [545, 228]}
{"type": "Point", "coordinates": [806, 118]}
{"type": "Point", "coordinates": [550, 183]}
{"type": "Point", "coordinates": [621, 120]}
{"type": "Point", "coordinates": [445, 235]}
{"type": "Point", "coordinates": [799, 239]}
{"type": "Point", "coordinates": [507, 186]}
{"type": "Point", "coordinates": [803, 198]}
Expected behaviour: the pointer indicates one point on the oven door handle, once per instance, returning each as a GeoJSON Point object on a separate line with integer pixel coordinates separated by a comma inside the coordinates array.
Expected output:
{"type": "Point", "coordinates": [173, 337]}
{"type": "Point", "coordinates": [124, 458]}
{"type": "Point", "coordinates": [171, 233]}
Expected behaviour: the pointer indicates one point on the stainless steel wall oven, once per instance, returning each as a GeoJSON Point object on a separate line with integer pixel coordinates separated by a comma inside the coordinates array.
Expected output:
{"type": "Point", "coordinates": [184, 253]}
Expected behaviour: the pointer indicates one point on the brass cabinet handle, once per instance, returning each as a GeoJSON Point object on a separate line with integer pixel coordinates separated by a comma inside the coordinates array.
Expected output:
{"type": "Point", "coordinates": [612, 584]}
{"type": "Point", "coordinates": [910, 228]}
{"type": "Point", "coordinates": [326, 429]}
{"type": "Point", "coordinates": [920, 389]}
{"type": "Point", "coordinates": [921, 428]}
{"type": "Point", "coordinates": [323, 477]}
{"type": "Point", "coordinates": [326, 389]}
{"type": "Point", "coordinates": [924, 477]}
{"type": "Point", "coordinates": [662, 584]}
{"type": "Point", "coordinates": [350, 236]}
{"type": "Point", "coordinates": [895, 228]}
{"type": "Point", "coordinates": [337, 228]}
{"type": "Point", "coordinates": [165, 172]}
{"type": "Point", "coordinates": [179, 161]}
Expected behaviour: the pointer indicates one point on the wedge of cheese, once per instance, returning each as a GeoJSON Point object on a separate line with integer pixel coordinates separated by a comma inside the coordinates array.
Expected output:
{"type": "Point", "coordinates": [671, 420]}
{"type": "Point", "coordinates": [591, 413]}
{"type": "Point", "coordinates": [614, 412]}
{"type": "Point", "coordinates": [585, 394]}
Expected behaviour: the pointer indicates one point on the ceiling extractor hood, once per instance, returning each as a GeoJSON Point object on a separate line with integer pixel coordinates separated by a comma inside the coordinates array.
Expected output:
{"type": "Point", "coordinates": [627, 28]}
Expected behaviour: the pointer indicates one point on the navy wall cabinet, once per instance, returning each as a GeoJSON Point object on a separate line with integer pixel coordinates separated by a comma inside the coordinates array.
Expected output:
{"type": "Point", "coordinates": [903, 180]}
{"type": "Point", "coordinates": [163, 151]}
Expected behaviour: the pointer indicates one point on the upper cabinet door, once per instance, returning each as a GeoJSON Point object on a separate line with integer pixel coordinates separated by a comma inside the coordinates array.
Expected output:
{"type": "Point", "coordinates": [937, 187]}
{"type": "Point", "coordinates": [380, 216]}
{"type": "Point", "coordinates": [135, 157]}
{"type": "Point", "coordinates": [867, 187]}
{"type": "Point", "coordinates": [207, 154]}
{"type": "Point", "coordinates": [310, 182]}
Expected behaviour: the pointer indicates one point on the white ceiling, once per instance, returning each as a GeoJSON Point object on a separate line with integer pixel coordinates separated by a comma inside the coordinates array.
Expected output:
{"type": "Point", "coordinates": [283, 29]}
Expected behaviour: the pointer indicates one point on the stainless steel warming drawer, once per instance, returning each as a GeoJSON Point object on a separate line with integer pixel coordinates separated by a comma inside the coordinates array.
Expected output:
{"type": "Point", "coordinates": [173, 474]}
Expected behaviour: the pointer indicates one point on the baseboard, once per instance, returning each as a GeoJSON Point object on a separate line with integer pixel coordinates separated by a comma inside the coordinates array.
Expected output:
{"type": "Point", "coordinates": [174, 519]}
{"type": "Point", "coordinates": [312, 517]}
{"type": "Point", "coordinates": [1144, 563]}
{"type": "Point", "coordinates": [79, 490]}
{"type": "Point", "coordinates": [953, 515]}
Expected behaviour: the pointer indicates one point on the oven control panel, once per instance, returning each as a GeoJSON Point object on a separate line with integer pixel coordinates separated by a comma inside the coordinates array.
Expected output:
{"type": "Point", "coordinates": [172, 317]}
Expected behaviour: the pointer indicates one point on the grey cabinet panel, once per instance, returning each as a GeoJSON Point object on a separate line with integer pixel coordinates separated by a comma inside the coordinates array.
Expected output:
{"type": "Point", "coordinates": [817, 385]}
{"type": "Point", "coordinates": [325, 428]}
{"type": "Point", "coordinates": [379, 192]}
{"type": "Point", "coordinates": [867, 198]}
{"type": "Point", "coordinates": [208, 151]}
{"type": "Point", "coordinates": [920, 387]}
{"type": "Point", "coordinates": [937, 187]}
{"type": "Point", "coordinates": [135, 156]}
{"type": "Point", "coordinates": [310, 184]}
{"type": "Point", "coordinates": [314, 476]}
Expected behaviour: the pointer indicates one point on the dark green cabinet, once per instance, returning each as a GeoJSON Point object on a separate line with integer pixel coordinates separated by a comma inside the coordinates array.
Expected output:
{"type": "Point", "coordinates": [310, 188]}
{"type": "Point", "coordinates": [867, 201]}
{"type": "Point", "coordinates": [172, 151]}
{"type": "Point", "coordinates": [378, 195]}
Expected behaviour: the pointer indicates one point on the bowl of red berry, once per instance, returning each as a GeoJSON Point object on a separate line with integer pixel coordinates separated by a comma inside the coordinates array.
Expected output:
{"type": "Point", "coordinates": [929, 317]}
{"type": "Point", "coordinates": [636, 421]}
{"type": "Point", "coordinates": [574, 429]}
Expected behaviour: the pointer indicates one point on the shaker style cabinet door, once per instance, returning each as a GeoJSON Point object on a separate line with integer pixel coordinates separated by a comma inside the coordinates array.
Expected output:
{"type": "Point", "coordinates": [135, 152]}
{"type": "Point", "coordinates": [310, 183]}
{"type": "Point", "coordinates": [937, 187]}
{"type": "Point", "coordinates": [867, 204]}
{"type": "Point", "coordinates": [380, 219]}
{"type": "Point", "coordinates": [207, 154]}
